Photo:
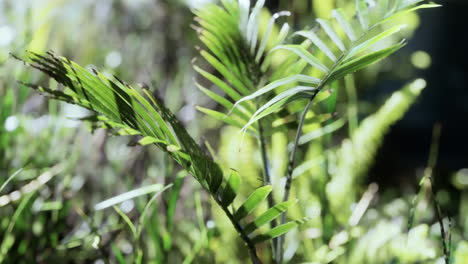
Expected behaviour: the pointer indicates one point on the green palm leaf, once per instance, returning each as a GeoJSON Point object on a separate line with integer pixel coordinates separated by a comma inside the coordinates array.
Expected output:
{"type": "Point", "coordinates": [278, 231]}
{"type": "Point", "coordinates": [268, 216]}
{"type": "Point", "coordinates": [355, 53]}
{"type": "Point", "coordinates": [252, 202]}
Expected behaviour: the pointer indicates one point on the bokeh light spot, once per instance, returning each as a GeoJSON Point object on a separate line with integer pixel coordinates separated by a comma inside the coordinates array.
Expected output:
{"type": "Point", "coordinates": [7, 35]}
{"type": "Point", "coordinates": [113, 59]}
{"type": "Point", "coordinates": [421, 59]}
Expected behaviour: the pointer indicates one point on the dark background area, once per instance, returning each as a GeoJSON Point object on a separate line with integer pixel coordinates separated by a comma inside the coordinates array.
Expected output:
{"type": "Point", "coordinates": [445, 100]}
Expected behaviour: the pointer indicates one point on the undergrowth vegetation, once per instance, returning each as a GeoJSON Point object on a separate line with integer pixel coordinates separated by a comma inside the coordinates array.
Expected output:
{"type": "Point", "coordinates": [264, 172]}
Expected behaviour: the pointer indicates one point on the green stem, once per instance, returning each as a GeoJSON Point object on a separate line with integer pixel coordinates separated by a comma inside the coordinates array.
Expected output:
{"type": "Point", "coordinates": [265, 163]}
{"type": "Point", "coordinates": [287, 187]}
{"type": "Point", "coordinates": [250, 245]}
{"type": "Point", "coordinates": [266, 176]}
{"type": "Point", "coordinates": [323, 82]}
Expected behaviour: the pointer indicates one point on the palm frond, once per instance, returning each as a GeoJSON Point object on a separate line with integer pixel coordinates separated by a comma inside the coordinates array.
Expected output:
{"type": "Point", "coordinates": [132, 111]}
{"type": "Point", "coordinates": [346, 55]}
{"type": "Point", "coordinates": [248, 78]}
{"type": "Point", "coordinates": [238, 54]}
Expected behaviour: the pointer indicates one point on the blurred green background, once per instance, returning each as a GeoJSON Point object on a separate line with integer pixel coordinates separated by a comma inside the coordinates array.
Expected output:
{"type": "Point", "coordinates": [60, 168]}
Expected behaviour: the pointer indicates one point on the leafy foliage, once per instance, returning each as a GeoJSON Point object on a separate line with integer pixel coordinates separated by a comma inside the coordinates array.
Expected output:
{"type": "Point", "coordinates": [247, 77]}
{"type": "Point", "coordinates": [258, 88]}
{"type": "Point", "coordinates": [264, 74]}
{"type": "Point", "coordinates": [356, 154]}
{"type": "Point", "coordinates": [121, 107]}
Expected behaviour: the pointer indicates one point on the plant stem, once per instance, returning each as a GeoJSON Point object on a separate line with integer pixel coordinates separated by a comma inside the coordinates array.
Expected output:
{"type": "Point", "coordinates": [323, 82]}
{"type": "Point", "coordinates": [266, 164]}
{"type": "Point", "coordinates": [250, 245]}
{"type": "Point", "coordinates": [266, 177]}
{"type": "Point", "coordinates": [433, 156]}
{"type": "Point", "coordinates": [287, 187]}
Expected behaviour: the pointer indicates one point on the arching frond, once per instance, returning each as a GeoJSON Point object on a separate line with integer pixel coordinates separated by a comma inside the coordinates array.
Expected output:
{"type": "Point", "coordinates": [239, 54]}
{"type": "Point", "coordinates": [352, 52]}
{"type": "Point", "coordinates": [250, 76]}
{"type": "Point", "coordinates": [132, 111]}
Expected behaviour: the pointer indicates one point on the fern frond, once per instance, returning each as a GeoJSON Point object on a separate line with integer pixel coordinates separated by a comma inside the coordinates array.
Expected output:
{"type": "Point", "coordinates": [356, 154]}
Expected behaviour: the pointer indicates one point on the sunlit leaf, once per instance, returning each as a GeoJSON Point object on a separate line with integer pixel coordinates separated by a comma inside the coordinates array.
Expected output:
{"type": "Point", "coordinates": [327, 27]}
{"type": "Point", "coordinates": [278, 231]}
{"type": "Point", "coordinates": [305, 55]}
{"type": "Point", "coordinates": [348, 29]}
{"type": "Point", "coordinates": [252, 202]}
{"type": "Point", "coordinates": [268, 216]}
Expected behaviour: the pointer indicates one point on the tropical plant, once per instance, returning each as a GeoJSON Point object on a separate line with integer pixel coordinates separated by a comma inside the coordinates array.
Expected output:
{"type": "Point", "coordinates": [272, 81]}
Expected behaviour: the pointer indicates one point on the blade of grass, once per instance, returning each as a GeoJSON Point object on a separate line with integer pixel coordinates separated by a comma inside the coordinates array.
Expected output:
{"type": "Point", "coordinates": [128, 196]}
{"type": "Point", "coordinates": [10, 179]}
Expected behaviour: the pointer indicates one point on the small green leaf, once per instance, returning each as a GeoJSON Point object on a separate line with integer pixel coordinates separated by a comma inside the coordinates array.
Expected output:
{"type": "Point", "coordinates": [327, 27]}
{"type": "Point", "coordinates": [173, 198]}
{"type": "Point", "coordinates": [305, 55]}
{"type": "Point", "coordinates": [229, 192]}
{"type": "Point", "coordinates": [128, 196]}
{"type": "Point", "coordinates": [423, 6]}
{"type": "Point", "coordinates": [252, 202]}
{"type": "Point", "coordinates": [364, 61]}
{"type": "Point", "coordinates": [348, 29]}
{"type": "Point", "coordinates": [368, 43]}
{"type": "Point", "coordinates": [4, 184]}
{"type": "Point", "coordinates": [221, 68]}
{"type": "Point", "coordinates": [318, 42]}
{"type": "Point", "coordinates": [279, 101]}
{"type": "Point", "coordinates": [146, 210]}
{"type": "Point", "coordinates": [148, 140]}
{"type": "Point", "coordinates": [252, 25]}
{"type": "Point", "coordinates": [127, 220]}
{"type": "Point", "coordinates": [118, 254]}
{"type": "Point", "coordinates": [281, 36]}
{"type": "Point", "coordinates": [268, 216]}
{"type": "Point", "coordinates": [280, 123]}
{"type": "Point", "coordinates": [330, 102]}
{"type": "Point", "coordinates": [218, 82]}
{"type": "Point", "coordinates": [278, 231]}
{"type": "Point", "coordinates": [363, 14]}
{"type": "Point", "coordinates": [224, 102]}
{"type": "Point", "coordinates": [278, 83]}
{"type": "Point", "coordinates": [222, 117]}
{"type": "Point", "coordinates": [266, 37]}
